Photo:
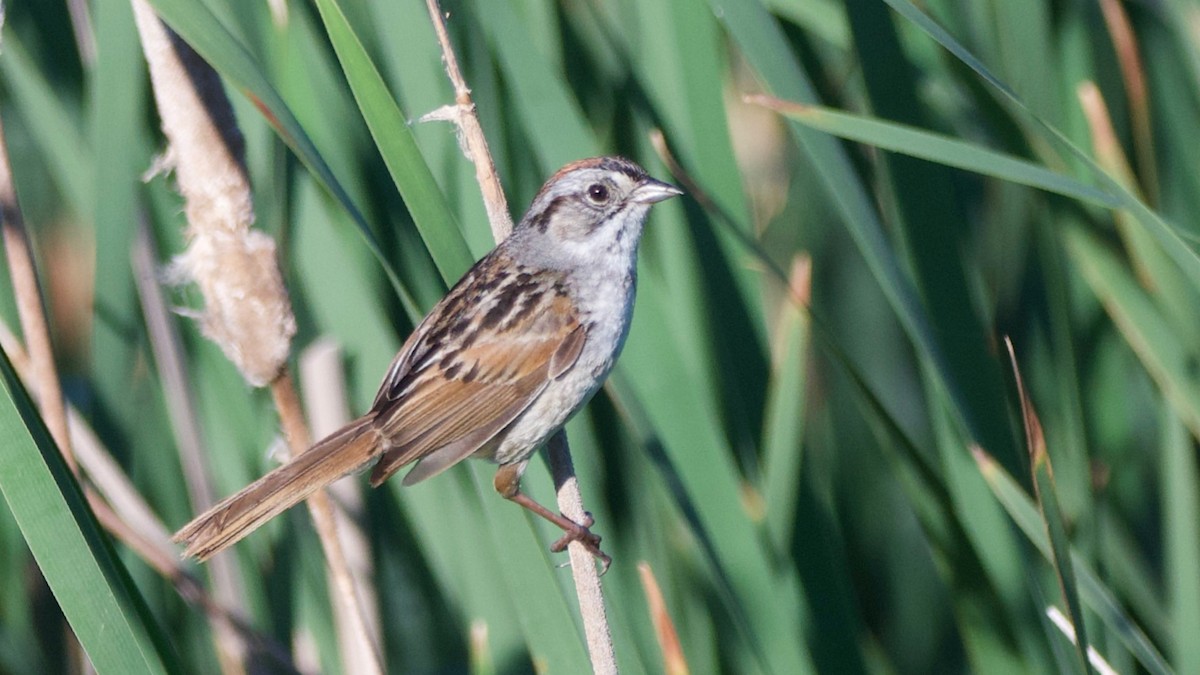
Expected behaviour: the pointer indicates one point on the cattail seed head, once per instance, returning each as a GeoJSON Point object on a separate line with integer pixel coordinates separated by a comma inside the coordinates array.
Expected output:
{"type": "Point", "coordinates": [246, 307]}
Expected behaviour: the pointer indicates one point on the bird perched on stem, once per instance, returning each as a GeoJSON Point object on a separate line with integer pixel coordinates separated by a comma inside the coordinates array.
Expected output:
{"type": "Point", "coordinates": [498, 366]}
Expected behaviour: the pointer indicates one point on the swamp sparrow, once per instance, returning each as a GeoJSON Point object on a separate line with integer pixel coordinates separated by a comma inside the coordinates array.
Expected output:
{"type": "Point", "coordinates": [497, 367]}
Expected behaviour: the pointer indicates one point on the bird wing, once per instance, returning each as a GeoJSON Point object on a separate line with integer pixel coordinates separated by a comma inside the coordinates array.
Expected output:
{"type": "Point", "coordinates": [457, 389]}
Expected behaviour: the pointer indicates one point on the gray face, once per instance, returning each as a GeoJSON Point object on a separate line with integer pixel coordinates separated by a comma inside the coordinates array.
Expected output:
{"type": "Point", "coordinates": [590, 214]}
{"type": "Point", "coordinates": [582, 203]}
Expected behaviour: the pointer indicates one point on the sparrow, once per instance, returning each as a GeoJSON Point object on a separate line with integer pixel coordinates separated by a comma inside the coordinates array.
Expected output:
{"type": "Point", "coordinates": [498, 366]}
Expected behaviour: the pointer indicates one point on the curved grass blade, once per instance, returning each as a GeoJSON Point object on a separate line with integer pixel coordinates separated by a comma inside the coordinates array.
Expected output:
{"type": "Point", "coordinates": [1181, 512]}
{"type": "Point", "coordinates": [719, 309]}
{"type": "Point", "coordinates": [928, 214]}
{"type": "Point", "coordinates": [938, 148]}
{"type": "Point", "coordinates": [763, 44]}
{"type": "Point", "coordinates": [783, 436]}
{"type": "Point", "coordinates": [1167, 235]}
{"type": "Point", "coordinates": [90, 584]}
{"type": "Point", "coordinates": [396, 144]}
{"type": "Point", "coordinates": [1164, 356]}
{"type": "Point", "coordinates": [1093, 592]}
{"type": "Point", "coordinates": [1047, 498]}
{"type": "Point", "coordinates": [116, 97]}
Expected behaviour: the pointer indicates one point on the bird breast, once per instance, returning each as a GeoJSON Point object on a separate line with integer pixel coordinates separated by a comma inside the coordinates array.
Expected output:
{"type": "Point", "coordinates": [606, 307]}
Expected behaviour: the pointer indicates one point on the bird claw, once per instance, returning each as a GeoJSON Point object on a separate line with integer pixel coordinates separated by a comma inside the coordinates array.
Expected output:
{"type": "Point", "coordinates": [589, 539]}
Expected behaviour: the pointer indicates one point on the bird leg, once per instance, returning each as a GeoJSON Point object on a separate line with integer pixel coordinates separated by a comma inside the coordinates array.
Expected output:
{"type": "Point", "coordinates": [508, 484]}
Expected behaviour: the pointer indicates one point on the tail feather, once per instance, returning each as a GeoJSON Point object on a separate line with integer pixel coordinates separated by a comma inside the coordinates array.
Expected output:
{"type": "Point", "coordinates": [345, 451]}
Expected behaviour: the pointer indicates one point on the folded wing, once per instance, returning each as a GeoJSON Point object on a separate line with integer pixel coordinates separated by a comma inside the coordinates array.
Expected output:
{"type": "Point", "coordinates": [454, 398]}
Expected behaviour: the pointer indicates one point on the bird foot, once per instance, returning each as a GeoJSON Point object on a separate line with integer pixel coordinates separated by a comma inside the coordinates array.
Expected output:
{"type": "Point", "coordinates": [579, 532]}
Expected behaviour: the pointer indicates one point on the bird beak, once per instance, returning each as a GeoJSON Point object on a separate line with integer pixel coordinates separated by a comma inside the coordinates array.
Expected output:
{"type": "Point", "coordinates": [650, 191]}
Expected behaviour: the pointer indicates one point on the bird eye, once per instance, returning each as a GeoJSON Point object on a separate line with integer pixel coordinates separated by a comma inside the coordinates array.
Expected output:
{"type": "Point", "coordinates": [598, 193]}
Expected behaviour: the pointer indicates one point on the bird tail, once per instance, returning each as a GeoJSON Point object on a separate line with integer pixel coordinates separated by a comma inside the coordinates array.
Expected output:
{"type": "Point", "coordinates": [346, 450]}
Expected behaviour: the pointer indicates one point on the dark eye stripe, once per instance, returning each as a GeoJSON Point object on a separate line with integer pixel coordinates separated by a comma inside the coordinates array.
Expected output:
{"type": "Point", "coordinates": [542, 220]}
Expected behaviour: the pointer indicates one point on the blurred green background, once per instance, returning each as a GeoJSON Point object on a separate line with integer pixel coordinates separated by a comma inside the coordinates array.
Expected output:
{"type": "Point", "coordinates": [846, 489]}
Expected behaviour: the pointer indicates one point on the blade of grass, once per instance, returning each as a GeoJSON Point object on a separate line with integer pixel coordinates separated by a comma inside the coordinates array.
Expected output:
{"type": "Point", "coordinates": [1093, 592]}
{"type": "Point", "coordinates": [1181, 512]}
{"type": "Point", "coordinates": [53, 123]}
{"type": "Point", "coordinates": [1167, 235]}
{"type": "Point", "coordinates": [981, 609]}
{"type": "Point", "coordinates": [91, 586]}
{"type": "Point", "coordinates": [1024, 44]}
{"type": "Point", "coordinates": [928, 145]}
{"type": "Point", "coordinates": [783, 435]}
{"type": "Point", "coordinates": [1047, 499]}
{"type": "Point", "coordinates": [764, 46]}
{"type": "Point", "coordinates": [822, 19]}
{"type": "Point", "coordinates": [930, 216]}
{"type": "Point", "coordinates": [1164, 356]}
{"type": "Point", "coordinates": [718, 292]}
{"type": "Point", "coordinates": [410, 59]}
{"type": "Point", "coordinates": [116, 99]}
{"type": "Point", "coordinates": [1154, 269]}
{"type": "Point", "coordinates": [692, 439]}
{"type": "Point", "coordinates": [398, 147]}
{"type": "Point", "coordinates": [558, 131]}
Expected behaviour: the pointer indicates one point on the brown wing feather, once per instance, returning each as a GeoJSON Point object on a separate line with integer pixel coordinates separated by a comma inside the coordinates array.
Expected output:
{"type": "Point", "coordinates": [453, 401]}
{"type": "Point", "coordinates": [347, 450]}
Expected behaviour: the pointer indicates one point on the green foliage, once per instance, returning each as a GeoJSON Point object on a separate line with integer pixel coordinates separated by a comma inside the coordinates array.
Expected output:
{"type": "Point", "coordinates": [838, 487]}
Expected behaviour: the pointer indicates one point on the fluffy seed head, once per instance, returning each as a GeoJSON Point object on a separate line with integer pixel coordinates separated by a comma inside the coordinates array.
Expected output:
{"type": "Point", "coordinates": [246, 307]}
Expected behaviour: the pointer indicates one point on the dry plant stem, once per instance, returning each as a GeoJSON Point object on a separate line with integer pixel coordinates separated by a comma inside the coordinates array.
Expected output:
{"type": "Point", "coordinates": [81, 25]}
{"type": "Point", "coordinates": [674, 662]}
{"type": "Point", "coordinates": [32, 315]}
{"type": "Point", "coordinates": [351, 622]}
{"type": "Point", "coordinates": [1126, 47]}
{"type": "Point", "coordinates": [181, 406]}
{"type": "Point", "coordinates": [570, 501]}
{"type": "Point", "coordinates": [32, 311]}
{"type": "Point", "coordinates": [583, 565]}
{"type": "Point", "coordinates": [247, 311]}
{"type": "Point", "coordinates": [120, 509]}
{"type": "Point", "coordinates": [475, 142]}
{"type": "Point", "coordinates": [322, 378]}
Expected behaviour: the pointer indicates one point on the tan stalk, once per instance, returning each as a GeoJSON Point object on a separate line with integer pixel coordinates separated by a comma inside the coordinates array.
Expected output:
{"type": "Point", "coordinates": [82, 26]}
{"type": "Point", "coordinates": [322, 378]}
{"type": "Point", "coordinates": [32, 313]}
{"type": "Point", "coordinates": [674, 662]}
{"type": "Point", "coordinates": [181, 409]}
{"type": "Point", "coordinates": [1134, 75]}
{"type": "Point", "coordinates": [247, 311]}
{"type": "Point", "coordinates": [570, 500]}
{"type": "Point", "coordinates": [31, 310]}
{"type": "Point", "coordinates": [121, 510]}
{"type": "Point", "coordinates": [363, 656]}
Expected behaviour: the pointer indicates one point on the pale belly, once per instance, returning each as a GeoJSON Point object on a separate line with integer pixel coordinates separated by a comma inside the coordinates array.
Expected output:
{"type": "Point", "coordinates": [564, 396]}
